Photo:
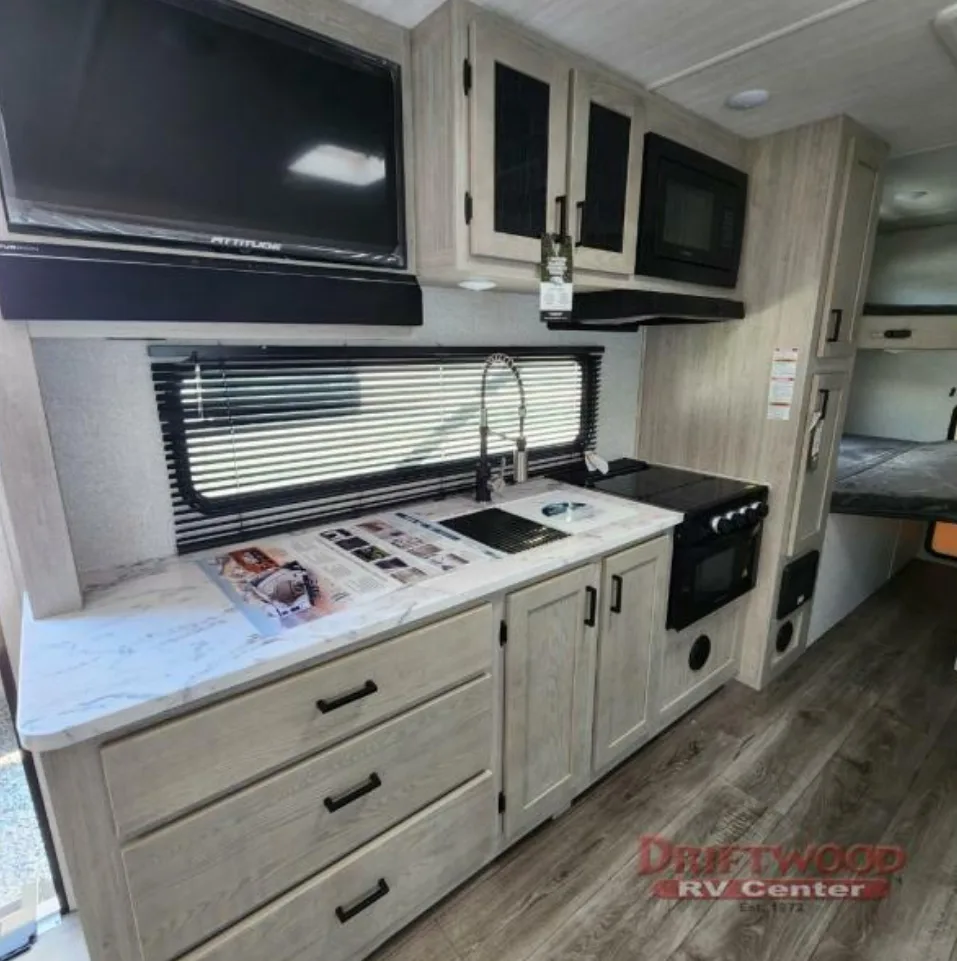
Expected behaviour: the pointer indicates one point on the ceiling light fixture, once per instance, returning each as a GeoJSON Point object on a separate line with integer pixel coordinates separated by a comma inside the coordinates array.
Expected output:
{"type": "Point", "coordinates": [747, 99]}
{"type": "Point", "coordinates": [478, 283]}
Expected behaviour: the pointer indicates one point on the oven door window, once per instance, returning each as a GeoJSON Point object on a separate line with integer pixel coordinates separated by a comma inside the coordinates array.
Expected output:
{"type": "Point", "coordinates": [706, 578]}
{"type": "Point", "coordinates": [715, 575]}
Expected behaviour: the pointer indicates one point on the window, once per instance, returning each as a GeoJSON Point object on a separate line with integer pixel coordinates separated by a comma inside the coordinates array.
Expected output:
{"type": "Point", "coordinates": [942, 537]}
{"type": "Point", "coordinates": [268, 439]}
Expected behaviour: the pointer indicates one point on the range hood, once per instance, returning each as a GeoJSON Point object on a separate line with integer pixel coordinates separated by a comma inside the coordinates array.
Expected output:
{"type": "Point", "coordinates": [77, 282]}
{"type": "Point", "coordinates": [632, 309]}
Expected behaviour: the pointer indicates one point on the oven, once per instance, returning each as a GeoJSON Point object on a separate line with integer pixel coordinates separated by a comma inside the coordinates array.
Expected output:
{"type": "Point", "coordinates": [715, 561]}
{"type": "Point", "coordinates": [693, 208]}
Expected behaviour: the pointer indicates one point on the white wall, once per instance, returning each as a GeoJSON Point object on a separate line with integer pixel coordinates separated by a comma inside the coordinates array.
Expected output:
{"type": "Point", "coordinates": [106, 437]}
{"type": "Point", "coordinates": [859, 555]}
{"type": "Point", "coordinates": [916, 266]}
{"type": "Point", "coordinates": [905, 394]}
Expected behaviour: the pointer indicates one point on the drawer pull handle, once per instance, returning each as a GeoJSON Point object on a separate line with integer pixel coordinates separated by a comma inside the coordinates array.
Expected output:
{"type": "Point", "coordinates": [331, 704]}
{"type": "Point", "coordinates": [618, 588]}
{"type": "Point", "coordinates": [354, 793]}
{"type": "Point", "coordinates": [348, 912]}
{"type": "Point", "coordinates": [592, 596]}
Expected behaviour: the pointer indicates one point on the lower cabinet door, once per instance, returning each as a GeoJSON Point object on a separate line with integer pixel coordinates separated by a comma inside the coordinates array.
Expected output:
{"type": "Point", "coordinates": [549, 693]}
{"type": "Point", "coordinates": [634, 598]}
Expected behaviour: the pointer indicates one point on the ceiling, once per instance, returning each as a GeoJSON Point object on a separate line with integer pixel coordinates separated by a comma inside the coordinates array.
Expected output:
{"type": "Point", "coordinates": [920, 190]}
{"type": "Point", "coordinates": [876, 60]}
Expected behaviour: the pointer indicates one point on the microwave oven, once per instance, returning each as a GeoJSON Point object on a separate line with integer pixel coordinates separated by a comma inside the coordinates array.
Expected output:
{"type": "Point", "coordinates": [693, 210]}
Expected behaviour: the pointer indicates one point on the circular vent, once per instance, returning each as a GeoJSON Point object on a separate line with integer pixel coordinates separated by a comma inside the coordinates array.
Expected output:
{"type": "Point", "coordinates": [700, 652]}
{"type": "Point", "coordinates": [785, 636]}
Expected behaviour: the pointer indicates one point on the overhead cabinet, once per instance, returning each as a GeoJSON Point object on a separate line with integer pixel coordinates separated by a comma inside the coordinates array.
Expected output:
{"type": "Point", "coordinates": [529, 142]}
{"type": "Point", "coordinates": [857, 210]}
{"type": "Point", "coordinates": [518, 127]}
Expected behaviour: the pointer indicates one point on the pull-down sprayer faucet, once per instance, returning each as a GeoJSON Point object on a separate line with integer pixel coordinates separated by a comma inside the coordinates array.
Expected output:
{"type": "Point", "coordinates": [484, 473]}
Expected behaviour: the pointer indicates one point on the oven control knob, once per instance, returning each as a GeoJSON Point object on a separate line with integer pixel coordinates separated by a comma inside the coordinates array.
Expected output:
{"type": "Point", "coordinates": [739, 519]}
{"type": "Point", "coordinates": [757, 510]}
{"type": "Point", "coordinates": [721, 525]}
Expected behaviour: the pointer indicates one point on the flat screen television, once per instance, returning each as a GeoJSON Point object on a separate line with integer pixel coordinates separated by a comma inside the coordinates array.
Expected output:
{"type": "Point", "coordinates": [198, 122]}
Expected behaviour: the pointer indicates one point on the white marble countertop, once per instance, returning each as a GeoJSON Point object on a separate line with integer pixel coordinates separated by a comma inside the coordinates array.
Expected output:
{"type": "Point", "coordinates": [159, 636]}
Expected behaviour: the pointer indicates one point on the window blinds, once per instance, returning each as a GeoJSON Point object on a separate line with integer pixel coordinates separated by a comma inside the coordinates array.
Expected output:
{"type": "Point", "coordinates": [267, 439]}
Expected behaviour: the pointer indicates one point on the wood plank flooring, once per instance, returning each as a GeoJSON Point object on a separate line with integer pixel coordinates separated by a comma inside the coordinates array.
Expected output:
{"type": "Point", "coordinates": [857, 743]}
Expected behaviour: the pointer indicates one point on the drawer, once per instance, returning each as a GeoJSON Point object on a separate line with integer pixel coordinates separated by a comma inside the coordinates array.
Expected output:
{"type": "Point", "coordinates": [697, 661]}
{"type": "Point", "coordinates": [186, 762]}
{"type": "Point", "coordinates": [347, 911]}
{"type": "Point", "coordinates": [194, 877]}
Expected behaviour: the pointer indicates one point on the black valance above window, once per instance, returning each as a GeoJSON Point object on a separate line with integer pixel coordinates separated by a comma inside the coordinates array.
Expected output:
{"type": "Point", "coordinates": [268, 439]}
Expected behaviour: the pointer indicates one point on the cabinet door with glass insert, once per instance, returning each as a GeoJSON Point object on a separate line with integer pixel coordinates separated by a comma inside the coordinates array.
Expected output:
{"type": "Point", "coordinates": [604, 173]}
{"type": "Point", "coordinates": [518, 126]}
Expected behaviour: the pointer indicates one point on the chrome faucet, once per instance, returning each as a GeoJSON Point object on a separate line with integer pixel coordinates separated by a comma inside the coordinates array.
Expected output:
{"type": "Point", "coordinates": [483, 474]}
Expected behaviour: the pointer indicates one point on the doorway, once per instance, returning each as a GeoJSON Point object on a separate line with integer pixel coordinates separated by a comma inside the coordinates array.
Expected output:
{"type": "Point", "coordinates": [27, 861]}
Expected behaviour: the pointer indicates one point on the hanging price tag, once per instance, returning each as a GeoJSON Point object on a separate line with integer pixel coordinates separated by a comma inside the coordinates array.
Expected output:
{"type": "Point", "coordinates": [556, 289]}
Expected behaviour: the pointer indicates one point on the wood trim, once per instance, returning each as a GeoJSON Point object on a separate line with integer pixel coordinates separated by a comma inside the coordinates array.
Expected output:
{"type": "Point", "coordinates": [81, 806]}
{"type": "Point", "coordinates": [32, 509]}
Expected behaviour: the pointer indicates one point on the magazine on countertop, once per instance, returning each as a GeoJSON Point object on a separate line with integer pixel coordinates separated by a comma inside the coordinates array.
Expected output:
{"type": "Point", "coordinates": [298, 578]}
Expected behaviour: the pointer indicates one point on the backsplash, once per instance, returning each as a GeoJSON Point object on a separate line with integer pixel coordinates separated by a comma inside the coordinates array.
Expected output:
{"type": "Point", "coordinates": [101, 411]}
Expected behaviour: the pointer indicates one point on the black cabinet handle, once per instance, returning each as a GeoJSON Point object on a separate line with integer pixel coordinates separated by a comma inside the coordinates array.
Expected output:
{"type": "Point", "coordinates": [333, 703]}
{"type": "Point", "coordinates": [349, 911]}
{"type": "Point", "coordinates": [561, 207]}
{"type": "Point", "coordinates": [580, 208]}
{"type": "Point", "coordinates": [618, 588]}
{"type": "Point", "coordinates": [354, 793]}
{"type": "Point", "coordinates": [898, 333]}
{"type": "Point", "coordinates": [592, 606]}
{"type": "Point", "coordinates": [837, 318]}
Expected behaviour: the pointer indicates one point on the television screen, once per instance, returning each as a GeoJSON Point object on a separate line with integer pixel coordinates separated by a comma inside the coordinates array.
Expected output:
{"type": "Point", "coordinates": [196, 121]}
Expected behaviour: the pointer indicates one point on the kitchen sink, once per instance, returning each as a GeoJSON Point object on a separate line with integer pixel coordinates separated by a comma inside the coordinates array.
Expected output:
{"type": "Point", "coordinates": [503, 531]}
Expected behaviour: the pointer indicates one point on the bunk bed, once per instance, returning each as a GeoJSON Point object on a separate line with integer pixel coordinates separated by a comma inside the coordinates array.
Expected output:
{"type": "Point", "coordinates": [883, 477]}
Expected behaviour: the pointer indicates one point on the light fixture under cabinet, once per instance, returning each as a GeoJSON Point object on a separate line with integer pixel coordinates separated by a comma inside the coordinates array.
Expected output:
{"type": "Point", "coordinates": [478, 283]}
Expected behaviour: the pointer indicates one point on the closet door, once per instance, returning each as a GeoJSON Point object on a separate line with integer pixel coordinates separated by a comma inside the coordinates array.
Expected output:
{"type": "Point", "coordinates": [816, 471]}
{"type": "Point", "coordinates": [853, 246]}
{"type": "Point", "coordinates": [604, 173]}
{"type": "Point", "coordinates": [518, 143]}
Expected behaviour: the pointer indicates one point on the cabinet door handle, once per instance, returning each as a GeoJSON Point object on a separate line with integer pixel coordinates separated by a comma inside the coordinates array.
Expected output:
{"type": "Point", "coordinates": [618, 588]}
{"type": "Point", "coordinates": [837, 318]}
{"type": "Point", "coordinates": [592, 595]}
{"type": "Point", "coordinates": [580, 209]}
{"type": "Point", "coordinates": [333, 703]}
{"type": "Point", "coordinates": [898, 333]}
{"type": "Point", "coordinates": [354, 793]}
{"type": "Point", "coordinates": [349, 911]}
{"type": "Point", "coordinates": [561, 210]}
